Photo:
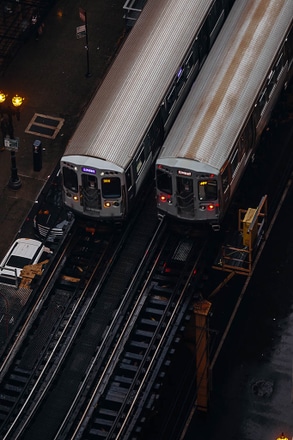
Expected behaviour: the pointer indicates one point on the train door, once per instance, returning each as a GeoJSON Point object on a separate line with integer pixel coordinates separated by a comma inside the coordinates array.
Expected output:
{"type": "Point", "coordinates": [91, 194]}
{"type": "Point", "coordinates": [185, 196]}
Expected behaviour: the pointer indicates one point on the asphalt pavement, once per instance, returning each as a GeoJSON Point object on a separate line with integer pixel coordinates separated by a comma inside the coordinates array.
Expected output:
{"type": "Point", "coordinates": [51, 73]}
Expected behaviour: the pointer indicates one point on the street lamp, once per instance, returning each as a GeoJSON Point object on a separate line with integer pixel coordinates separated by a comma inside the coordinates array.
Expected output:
{"type": "Point", "coordinates": [10, 143]}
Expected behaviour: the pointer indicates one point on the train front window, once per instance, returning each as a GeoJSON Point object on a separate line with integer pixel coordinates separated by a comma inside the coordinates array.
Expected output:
{"type": "Point", "coordinates": [111, 187]}
{"type": "Point", "coordinates": [164, 182]}
{"type": "Point", "coordinates": [207, 190]}
{"type": "Point", "coordinates": [89, 181]}
{"type": "Point", "coordinates": [70, 179]}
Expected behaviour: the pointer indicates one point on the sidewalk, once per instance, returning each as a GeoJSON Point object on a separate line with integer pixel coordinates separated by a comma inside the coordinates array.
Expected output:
{"type": "Point", "coordinates": [50, 74]}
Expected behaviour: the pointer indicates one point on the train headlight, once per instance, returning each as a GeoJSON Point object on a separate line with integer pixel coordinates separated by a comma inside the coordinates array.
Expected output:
{"type": "Point", "coordinates": [107, 205]}
{"type": "Point", "coordinates": [75, 198]}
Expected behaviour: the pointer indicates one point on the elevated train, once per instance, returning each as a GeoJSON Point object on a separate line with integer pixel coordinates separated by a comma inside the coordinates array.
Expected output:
{"type": "Point", "coordinates": [218, 128]}
{"type": "Point", "coordinates": [121, 132]}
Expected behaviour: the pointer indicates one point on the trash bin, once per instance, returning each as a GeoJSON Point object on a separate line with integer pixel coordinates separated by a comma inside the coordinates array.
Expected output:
{"type": "Point", "coordinates": [37, 155]}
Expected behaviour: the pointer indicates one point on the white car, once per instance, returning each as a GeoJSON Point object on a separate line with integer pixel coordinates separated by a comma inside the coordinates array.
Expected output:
{"type": "Point", "coordinates": [23, 252]}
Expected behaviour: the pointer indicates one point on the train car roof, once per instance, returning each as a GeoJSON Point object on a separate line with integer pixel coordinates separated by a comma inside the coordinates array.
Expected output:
{"type": "Point", "coordinates": [119, 114]}
{"type": "Point", "coordinates": [229, 83]}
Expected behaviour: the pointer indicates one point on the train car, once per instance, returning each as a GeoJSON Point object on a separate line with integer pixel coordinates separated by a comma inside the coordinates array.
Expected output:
{"type": "Point", "coordinates": [217, 130]}
{"type": "Point", "coordinates": [119, 136]}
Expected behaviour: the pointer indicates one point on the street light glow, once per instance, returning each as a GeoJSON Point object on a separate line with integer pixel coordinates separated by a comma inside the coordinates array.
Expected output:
{"type": "Point", "coordinates": [2, 97]}
{"type": "Point", "coordinates": [282, 437]}
{"type": "Point", "coordinates": [17, 101]}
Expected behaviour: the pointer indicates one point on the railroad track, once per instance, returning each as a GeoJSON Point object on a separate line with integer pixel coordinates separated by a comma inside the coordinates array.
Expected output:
{"type": "Point", "coordinates": [37, 352]}
{"type": "Point", "coordinates": [131, 378]}
{"type": "Point", "coordinates": [85, 268]}
{"type": "Point", "coordinates": [130, 343]}
{"type": "Point", "coordinates": [128, 334]}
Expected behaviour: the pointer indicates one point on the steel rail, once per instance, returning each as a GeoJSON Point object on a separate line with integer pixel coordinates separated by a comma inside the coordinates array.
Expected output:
{"type": "Point", "coordinates": [108, 335]}
{"type": "Point", "coordinates": [32, 315]}
{"type": "Point", "coordinates": [24, 415]}
{"type": "Point", "coordinates": [129, 325]}
{"type": "Point", "coordinates": [171, 327]}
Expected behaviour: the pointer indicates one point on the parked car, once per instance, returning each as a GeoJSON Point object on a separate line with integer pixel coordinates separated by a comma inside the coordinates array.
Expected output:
{"type": "Point", "coordinates": [23, 252]}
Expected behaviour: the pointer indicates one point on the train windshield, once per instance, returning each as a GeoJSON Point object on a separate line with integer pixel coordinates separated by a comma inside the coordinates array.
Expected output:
{"type": "Point", "coordinates": [111, 187]}
{"type": "Point", "coordinates": [70, 179]}
{"type": "Point", "coordinates": [207, 190]}
{"type": "Point", "coordinates": [164, 182]}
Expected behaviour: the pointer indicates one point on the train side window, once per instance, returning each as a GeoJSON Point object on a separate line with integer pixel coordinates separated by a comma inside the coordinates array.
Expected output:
{"type": "Point", "coordinates": [70, 179]}
{"type": "Point", "coordinates": [246, 139]}
{"type": "Point", "coordinates": [241, 145]}
{"type": "Point", "coordinates": [279, 65]}
{"type": "Point", "coordinates": [272, 79]}
{"type": "Point", "coordinates": [289, 47]}
{"type": "Point", "coordinates": [261, 104]}
{"type": "Point", "coordinates": [171, 98]}
{"type": "Point", "coordinates": [214, 14]}
{"type": "Point", "coordinates": [225, 179]}
{"type": "Point", "coordinates": [207, 190]}
{"type": "Point", "coordinates": [164, 182]}
{"type": "Point", "coordinates": [216, 18]}
{"type": "Point", "coordinates": [264, 101]}
{"type": "Point", "coordinates": [176, 88]}
{"type": "Point", "coordinates": [179, 74]}
{"type": "Point", "coordinates": [156, 133]}
{"type": "Point", "coordinates": [139, 162]}
{"type": "Point", "coordinates": [234, 162]}
{"type": "Point", "coordinates": [147, 144]}
{"type": "Point", "coordinates": [196, 57]}
{"type": "Point", "coordinates": [128, 178]}
{"type": "Point", "coordinates": [203, 41]}
{"type": "Point", "coordinates": [189, 63]}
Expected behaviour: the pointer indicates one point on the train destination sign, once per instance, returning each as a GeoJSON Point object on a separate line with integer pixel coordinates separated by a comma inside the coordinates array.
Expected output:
{"type": "Point", "coordinates": [184, 173]}
{"type": "Point", "coordinates": [88, 170]}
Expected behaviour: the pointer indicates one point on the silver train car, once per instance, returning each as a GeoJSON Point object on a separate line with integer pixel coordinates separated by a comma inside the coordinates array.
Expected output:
{"type": "Point", "coordinates": [217, 130]}
{"type": "Point", "coordinates": [122, 130]}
